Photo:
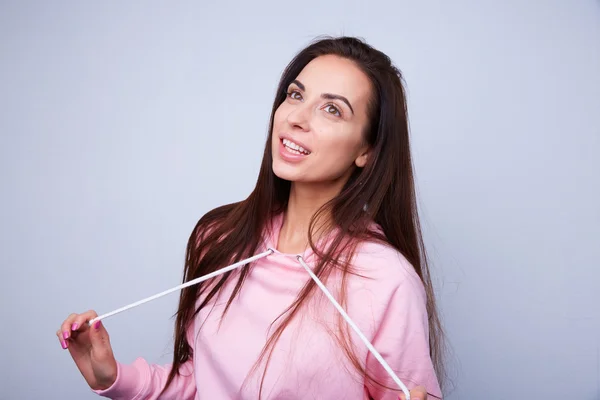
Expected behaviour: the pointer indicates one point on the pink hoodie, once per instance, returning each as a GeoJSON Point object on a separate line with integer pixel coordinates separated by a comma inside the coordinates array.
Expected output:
{"type": "Point", "coordinates": [387, 303]}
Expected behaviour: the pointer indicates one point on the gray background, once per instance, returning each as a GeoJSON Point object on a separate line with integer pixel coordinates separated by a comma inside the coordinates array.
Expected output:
{"type": "Point", "coordinates": [121, 123]}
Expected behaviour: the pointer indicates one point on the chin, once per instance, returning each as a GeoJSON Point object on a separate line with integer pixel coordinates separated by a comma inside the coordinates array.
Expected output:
{"type": "Point", "coordinates": [284, 172]}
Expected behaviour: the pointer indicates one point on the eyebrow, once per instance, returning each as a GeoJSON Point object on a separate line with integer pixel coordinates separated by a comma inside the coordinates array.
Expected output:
{"type": "Point", "coordinates": [328, 96]}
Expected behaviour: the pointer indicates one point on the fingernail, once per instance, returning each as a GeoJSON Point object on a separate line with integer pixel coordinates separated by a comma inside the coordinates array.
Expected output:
{"type": "Point", "coordinates": [66, 334]}
{"type": "Point", "coordinates": [63, 344]}
{"type": "Point", "coordinates": [74, 326]}
{"type": "Point", "coordinates": [97, 325]}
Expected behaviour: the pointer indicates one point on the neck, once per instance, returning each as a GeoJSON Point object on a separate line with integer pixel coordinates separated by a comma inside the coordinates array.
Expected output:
{"type": "Point", "coordinates": [304, 201]}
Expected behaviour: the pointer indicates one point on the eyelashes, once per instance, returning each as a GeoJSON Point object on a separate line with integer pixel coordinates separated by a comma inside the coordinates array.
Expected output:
{"type": "Point", "coordinates": [296, 95]}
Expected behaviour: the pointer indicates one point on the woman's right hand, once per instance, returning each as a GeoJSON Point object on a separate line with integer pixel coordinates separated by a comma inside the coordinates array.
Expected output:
{"type": "Point", "coordinates": [90, 349]}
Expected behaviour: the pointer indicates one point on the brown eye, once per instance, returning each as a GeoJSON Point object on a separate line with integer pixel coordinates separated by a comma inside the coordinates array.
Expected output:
{"type": "Point", "coordinates": [333, 110]}
{"type": "Point", "coordinates": [294, 94]}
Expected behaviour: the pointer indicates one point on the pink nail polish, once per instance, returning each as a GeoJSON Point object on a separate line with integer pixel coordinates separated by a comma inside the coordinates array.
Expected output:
{"type": "Point", "coordinates": [74, 326]}
{"type": "Point", "coordinates": [66, 335]}
{"type": "Point", "coordinates": [63, 344]}
{"type": "Point", "coordinates": [97, 325]}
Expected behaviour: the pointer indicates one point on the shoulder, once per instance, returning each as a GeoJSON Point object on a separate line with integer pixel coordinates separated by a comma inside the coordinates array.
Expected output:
{"type": "Point", "coordinates": [383, 284]}
{"type": "Point", "coordinates": [385, 269]}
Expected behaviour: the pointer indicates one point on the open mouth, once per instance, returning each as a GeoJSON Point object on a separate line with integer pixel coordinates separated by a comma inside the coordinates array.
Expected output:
{"type": "Point", "coordinates": [294, 148]}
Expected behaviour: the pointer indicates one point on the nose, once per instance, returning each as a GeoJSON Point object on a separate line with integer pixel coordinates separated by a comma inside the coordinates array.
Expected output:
{"type": "Point", "coordinates": [299, 116]}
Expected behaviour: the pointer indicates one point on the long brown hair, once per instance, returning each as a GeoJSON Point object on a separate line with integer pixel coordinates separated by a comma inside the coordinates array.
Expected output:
{"type": "Point", "coordinates": [382, 191]}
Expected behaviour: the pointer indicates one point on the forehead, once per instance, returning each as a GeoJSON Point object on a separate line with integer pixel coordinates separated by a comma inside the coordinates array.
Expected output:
{"type": "Point", "coordinates": [336, 75]}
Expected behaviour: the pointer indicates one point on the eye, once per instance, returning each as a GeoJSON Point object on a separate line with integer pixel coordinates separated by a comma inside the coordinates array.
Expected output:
{"type": "Point", "coordinates": [294, 94]}
{"type": "Point", "coordinates": [333, 110]}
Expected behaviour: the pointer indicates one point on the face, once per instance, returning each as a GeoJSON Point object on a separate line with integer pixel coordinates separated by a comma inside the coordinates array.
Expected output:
{"type": "Point", "coordinates": [318, 131]}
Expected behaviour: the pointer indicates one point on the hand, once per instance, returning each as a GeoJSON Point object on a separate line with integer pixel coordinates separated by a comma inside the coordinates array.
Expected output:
{"type": "Point", "coordinates": [90, 348]}
{"type": "Point", "coordinates": [418, 393]}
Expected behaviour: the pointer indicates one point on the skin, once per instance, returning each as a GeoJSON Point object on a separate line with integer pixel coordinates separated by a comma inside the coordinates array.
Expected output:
{"type": "Point", "coordinates": [418, 393]}
{"type": "Point", "coordinates": [90, 349]}
{"type": "Point", "coordinates": [333, 132]}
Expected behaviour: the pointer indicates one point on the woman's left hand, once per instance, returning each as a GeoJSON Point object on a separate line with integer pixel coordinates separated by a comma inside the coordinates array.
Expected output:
{"type": "Point", "coordinates": [418, 393]}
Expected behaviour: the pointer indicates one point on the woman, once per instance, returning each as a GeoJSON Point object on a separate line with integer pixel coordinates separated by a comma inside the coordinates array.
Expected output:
{"type": "Point", "coordinates": [336, 188]}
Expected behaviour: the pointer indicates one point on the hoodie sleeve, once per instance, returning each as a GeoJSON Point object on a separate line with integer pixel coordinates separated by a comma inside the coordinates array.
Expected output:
{"type": "Point", "coordinates": [400, 331]}
{"type": "Point", "coordinates": [403, 341]}
{"type": "Point", "coordinates": [141, 380]}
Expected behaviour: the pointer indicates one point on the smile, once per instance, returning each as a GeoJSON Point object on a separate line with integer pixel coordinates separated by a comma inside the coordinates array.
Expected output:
{"type": "Point", "coordinates": [294, 148]}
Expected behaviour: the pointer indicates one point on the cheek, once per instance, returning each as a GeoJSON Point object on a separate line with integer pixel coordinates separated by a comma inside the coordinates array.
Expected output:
{"type": "Point", "coordinates": [336, 143]}
{"type": "Point", "coordinates": [279, 116]}
{"type": "Point", "coordinates": [337, 151]}
{"type": "Point", "coordinates": [277, 121]}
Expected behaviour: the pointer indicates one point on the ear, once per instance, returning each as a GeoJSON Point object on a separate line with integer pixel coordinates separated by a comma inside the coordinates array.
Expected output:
{"type": "Point", "coordinates": [362, 159]}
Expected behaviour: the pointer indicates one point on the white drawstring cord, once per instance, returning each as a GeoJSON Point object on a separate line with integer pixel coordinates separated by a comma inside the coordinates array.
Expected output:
{"type": "Point", "coordinates": [358, 332]}
{"type": "Point", "coordinates": [184, 285]}
{"type": "Point", "coordinates": [246, 261]}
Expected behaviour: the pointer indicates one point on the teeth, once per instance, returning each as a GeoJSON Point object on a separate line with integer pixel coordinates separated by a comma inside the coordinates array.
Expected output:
{"type": "Point", "coordinates": [294, 148]}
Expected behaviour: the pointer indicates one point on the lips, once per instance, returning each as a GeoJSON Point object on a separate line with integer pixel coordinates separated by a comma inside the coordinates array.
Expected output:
{"type": "Point", "coordinates": [292, 152]}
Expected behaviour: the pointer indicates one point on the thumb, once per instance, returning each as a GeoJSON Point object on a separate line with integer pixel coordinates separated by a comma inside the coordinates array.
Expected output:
{"type": "Point", "coordinates": [418, 393]}
{"type": "Point", "coordinates": [103, 363]}
{"type": "Point", "coordinates": [98, 336]}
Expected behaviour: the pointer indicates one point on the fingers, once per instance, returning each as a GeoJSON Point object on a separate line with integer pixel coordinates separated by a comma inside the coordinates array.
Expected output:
{"type": "Point", "coordinates": [63, 342]}
{"type": "Point", "coordinates": [73, 324]}
{"type": "Point", "coordinates": [80, 323]}
{"type": "Point", "coordinates": [418, 393]}
{"type": "Point", "coordinates": [65, 330]}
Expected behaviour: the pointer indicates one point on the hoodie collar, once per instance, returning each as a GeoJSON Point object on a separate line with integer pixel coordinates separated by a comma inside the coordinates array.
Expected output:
{"type": "Point", "coordinates": [271, 241]}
